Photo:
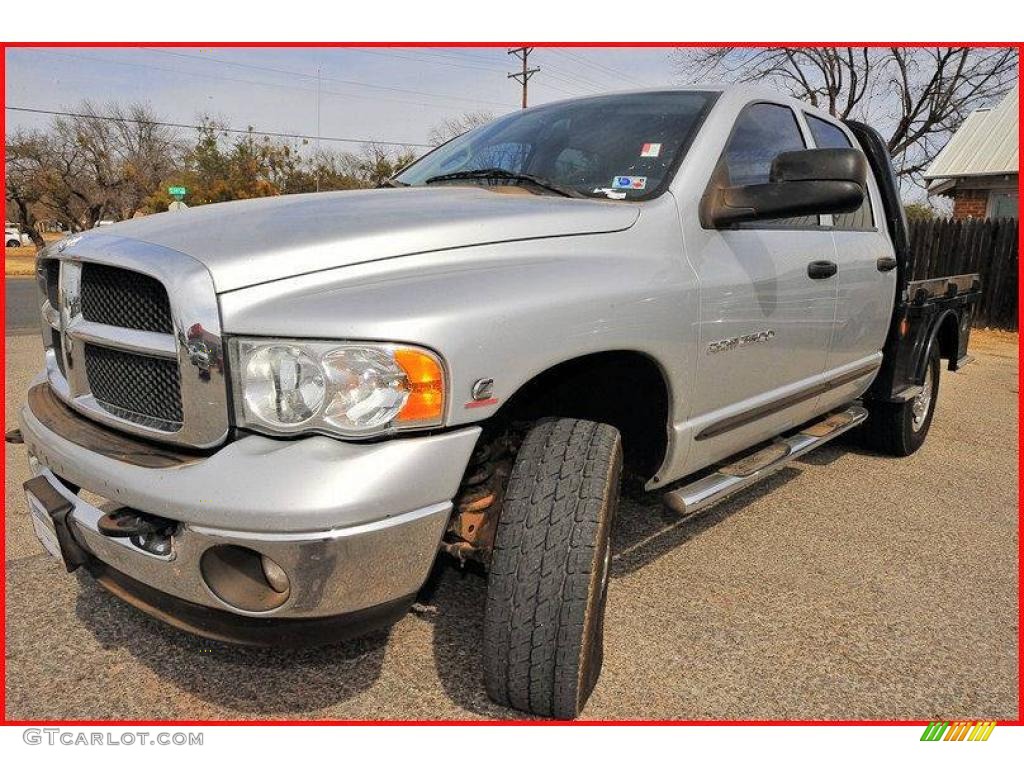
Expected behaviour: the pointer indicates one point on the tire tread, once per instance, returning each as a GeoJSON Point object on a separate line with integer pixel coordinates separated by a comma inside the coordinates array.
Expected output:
{"type": "Point", "coordinates": [546, 546]}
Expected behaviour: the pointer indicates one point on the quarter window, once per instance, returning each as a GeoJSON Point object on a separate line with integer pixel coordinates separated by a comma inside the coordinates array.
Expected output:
{"type": "Point", "coordinates": [762, 132]}
{"type": "Point", "coordinates": [829, 136]}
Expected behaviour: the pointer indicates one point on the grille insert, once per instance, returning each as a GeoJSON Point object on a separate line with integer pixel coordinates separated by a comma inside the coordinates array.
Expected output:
{"type": "Point", "coordinates": [124, 298]}
{"type": "Point", "coordinates": [57, 342]}
{"type": "Point", "coordinates": [51, 274]}
{"type": "Point", "coordinates": [143, 389]}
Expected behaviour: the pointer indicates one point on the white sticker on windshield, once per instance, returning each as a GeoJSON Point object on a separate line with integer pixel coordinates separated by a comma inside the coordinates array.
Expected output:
{"type": "Point", "coordinates": [650, 150]}
{"type": "Point", "coordinates": [629, 182]}
{"type": "Point", "coordinates": [611, 194]}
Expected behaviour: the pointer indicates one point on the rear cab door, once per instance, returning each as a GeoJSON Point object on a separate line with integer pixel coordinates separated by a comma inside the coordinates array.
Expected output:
{"type": "Point", "coordinates": [865, 280]}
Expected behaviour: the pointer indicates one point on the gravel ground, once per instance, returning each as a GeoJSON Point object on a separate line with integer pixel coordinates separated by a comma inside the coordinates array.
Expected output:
{"type": "Point", "coordinates": [848, 586]}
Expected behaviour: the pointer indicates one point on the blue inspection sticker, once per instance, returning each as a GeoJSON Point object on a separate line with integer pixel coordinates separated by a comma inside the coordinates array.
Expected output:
{"type": "Point", "coordinates": [629, 182]}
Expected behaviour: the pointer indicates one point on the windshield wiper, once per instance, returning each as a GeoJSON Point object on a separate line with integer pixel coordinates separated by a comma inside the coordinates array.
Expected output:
{"type": "Point", "coordinates": [392, 183]}
{"type": "Point", "coordinates": [501, 173]}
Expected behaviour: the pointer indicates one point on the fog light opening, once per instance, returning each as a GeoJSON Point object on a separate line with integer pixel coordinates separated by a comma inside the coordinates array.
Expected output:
{"type": "Point", "coordinates": [244, 579]}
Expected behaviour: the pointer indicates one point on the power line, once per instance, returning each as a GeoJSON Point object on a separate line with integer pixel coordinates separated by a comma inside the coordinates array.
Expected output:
{"type": "Point", "coordinates": [461, 55]}
{"type": "Point", "coordinates": [250, 82]}
{"type": "Point", "coordinates": [456, 55]}
{"type": "Point", "coordinates": [218, 129]}
{"type": "Point", "coordinates": [294, 73]}
{"type": "Point", "coordinates": [603, 67]}
{"type": "Point", "coordinates": [578, 88]}
{"type": "Point", "coordinates": [561, 88]}
{"type": "Point", "coordinates": [393, 55]}
{"type": "Point", "coordinates": [459, 64]}
{"type": "Point", "coordinates": [583, 80]}
{"type": "Point", "coordinates": [524, 75]}
{"type": "Point", "coordinates": [571, 79]}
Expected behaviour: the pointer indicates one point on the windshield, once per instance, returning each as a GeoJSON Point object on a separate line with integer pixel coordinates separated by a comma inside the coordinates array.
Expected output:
{"type": "Point", "coordinates": [621, 147]}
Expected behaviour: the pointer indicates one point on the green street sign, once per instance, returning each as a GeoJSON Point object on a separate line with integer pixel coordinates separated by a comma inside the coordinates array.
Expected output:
{"type": "Point", "coordinates": [177, 191]}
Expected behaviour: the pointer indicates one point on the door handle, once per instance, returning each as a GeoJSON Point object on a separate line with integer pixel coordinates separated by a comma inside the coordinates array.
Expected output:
{"type": "Point", "coordinates": [886, 263]}
{"type": "Point", "coordinates": [819, 270]}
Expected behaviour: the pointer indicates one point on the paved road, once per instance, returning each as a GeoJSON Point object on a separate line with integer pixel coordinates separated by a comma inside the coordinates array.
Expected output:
{"type": "Point", "coordinates": [20, 307]}
{"type": "Point", "coordinates": [848, 586]}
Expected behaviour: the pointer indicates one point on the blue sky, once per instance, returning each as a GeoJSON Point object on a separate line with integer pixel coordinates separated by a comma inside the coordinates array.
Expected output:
{"type": "Point", "coordinates": [381, 94]}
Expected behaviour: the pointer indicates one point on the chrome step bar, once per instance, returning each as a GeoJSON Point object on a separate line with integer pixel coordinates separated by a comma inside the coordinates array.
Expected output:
{"type": "Point", "coordinates": [727, 480]}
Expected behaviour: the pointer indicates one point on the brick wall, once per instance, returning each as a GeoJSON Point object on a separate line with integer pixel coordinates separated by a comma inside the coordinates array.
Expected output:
{"type": "Point", "coordinates": [970, 203]}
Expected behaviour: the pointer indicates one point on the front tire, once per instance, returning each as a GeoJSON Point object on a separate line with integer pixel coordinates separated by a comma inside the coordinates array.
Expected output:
{"type": "Point", "coordinates": [899, 429]}
{"type": "Point", "coordinates": [548, 581]}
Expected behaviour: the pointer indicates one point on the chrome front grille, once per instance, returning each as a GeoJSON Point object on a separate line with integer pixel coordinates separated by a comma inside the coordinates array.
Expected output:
{"type": "Point", "coordinates": [133, 338]}
{"type": "Point", "coordinates": [125, 299]}
{"type": "Point", "coordinates": [139, 388]}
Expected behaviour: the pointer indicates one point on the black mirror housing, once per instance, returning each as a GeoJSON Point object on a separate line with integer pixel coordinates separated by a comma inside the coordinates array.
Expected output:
{"type": "Point", "coordinates": [820, 165]}
{"type": "Point", "coordinates": [803, 183]}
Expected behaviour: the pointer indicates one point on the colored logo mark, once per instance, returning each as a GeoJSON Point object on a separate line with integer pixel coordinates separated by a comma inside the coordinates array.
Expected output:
{"type": "Point", "coordinates": [630, 182]}
{"type": "Point", "coordinates": [960, 730]}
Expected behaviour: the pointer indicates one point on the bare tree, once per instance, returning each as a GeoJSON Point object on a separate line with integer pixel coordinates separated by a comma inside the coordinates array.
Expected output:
{"type": "Point", "coordinates": [109, 159]}
{"type": "Point", "coordinates": [451, 127]}
{"type": "Point", "coordinates": [375, 163]}
{"type": "Point", "coordinates": [91, 163]}
{"type": "Point", "coordinates": [24, 188]}
{"type": "Point", "coordinates": [915, 96]}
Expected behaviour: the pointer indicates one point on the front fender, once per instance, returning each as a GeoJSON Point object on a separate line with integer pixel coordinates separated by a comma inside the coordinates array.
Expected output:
{"type": "Point", "coordinates": [506, 311]}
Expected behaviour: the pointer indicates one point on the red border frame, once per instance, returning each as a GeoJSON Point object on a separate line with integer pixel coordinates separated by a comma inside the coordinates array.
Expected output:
{"type": "Point", "coordinates": [492, 44]}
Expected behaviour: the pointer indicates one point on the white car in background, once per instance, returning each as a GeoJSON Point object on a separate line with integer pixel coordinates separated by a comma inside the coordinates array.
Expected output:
{"type": "Point", "coordinates": [14, 237]}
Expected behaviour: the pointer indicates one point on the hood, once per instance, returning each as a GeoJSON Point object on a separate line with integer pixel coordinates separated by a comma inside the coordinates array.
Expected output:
{"type": "Point", "coordinates": [248, 242]}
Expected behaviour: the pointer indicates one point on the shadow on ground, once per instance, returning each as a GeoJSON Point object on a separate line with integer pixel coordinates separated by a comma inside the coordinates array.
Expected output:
{"type": "Point", "coordinates": [645, 529]}
{"type": "Point", "coordinates": [254, 681]}
{"type": "Point", "coordinates": [454, 598]}
{"type": "Point", "coordinates": [263, 682]}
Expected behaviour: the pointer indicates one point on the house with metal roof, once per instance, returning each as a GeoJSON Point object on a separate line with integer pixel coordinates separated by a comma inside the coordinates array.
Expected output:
{"type": "Point", "coordinates": [978, 168]}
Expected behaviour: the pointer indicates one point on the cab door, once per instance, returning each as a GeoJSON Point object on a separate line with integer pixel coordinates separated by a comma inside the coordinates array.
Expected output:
{"type": "Point", "coordinates": [766, 312]}
{"type": "Point", "coordinates": [865, 281]}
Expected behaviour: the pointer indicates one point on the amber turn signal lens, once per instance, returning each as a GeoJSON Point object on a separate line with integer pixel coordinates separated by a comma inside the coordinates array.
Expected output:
{"type": "Point", "coordinates": [426, 386]}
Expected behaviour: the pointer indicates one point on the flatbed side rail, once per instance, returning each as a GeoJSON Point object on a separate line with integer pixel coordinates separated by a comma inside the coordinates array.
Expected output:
{"type": "Point", "coordinates": [967, 286]}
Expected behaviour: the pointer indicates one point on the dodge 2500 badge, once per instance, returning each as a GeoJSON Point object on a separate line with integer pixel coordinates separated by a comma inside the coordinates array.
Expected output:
{"type": "Point", "coordinates": [293, 404]}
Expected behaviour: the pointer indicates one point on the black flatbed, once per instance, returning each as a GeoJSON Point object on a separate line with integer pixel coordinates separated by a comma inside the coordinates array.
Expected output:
{"type": "Point", "coordinates": [934, 311]}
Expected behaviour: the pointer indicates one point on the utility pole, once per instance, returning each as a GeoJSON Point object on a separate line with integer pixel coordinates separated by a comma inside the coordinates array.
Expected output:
{"type": "Point", "coordinates": [316, 167]}
{"type": "Point", "coordinates": [523, 76]}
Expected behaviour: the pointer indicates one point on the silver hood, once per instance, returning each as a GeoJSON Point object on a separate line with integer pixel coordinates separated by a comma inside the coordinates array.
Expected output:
{"type": "Point", "coordinates": [255, 241]}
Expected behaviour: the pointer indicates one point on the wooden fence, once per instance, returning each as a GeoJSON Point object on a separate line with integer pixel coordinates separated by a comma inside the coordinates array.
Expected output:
{"type": "Point", "coordinates": [943, 247]}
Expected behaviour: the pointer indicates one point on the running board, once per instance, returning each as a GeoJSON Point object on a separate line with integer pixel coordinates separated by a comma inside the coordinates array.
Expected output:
{"type": "Point", "coordinates": [702, 493]}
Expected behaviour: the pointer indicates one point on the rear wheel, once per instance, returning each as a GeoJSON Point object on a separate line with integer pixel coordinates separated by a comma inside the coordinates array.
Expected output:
{"type": "Point", "coordinates": [13, 243]}
{"type": "Point", "coordinates": [548, 581]}
{"type": "Point", "coordinates": [899, 429]}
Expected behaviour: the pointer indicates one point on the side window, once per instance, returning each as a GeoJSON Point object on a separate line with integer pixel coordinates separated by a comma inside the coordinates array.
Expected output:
{"type": "Point", "coordinates": [762, 132]}
{"type": "Point", "coordinates": [829, 136]}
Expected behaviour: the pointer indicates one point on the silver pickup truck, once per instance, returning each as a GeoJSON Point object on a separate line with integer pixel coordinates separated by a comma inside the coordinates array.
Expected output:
{"type": "Point", "coordinates": [261, 421]}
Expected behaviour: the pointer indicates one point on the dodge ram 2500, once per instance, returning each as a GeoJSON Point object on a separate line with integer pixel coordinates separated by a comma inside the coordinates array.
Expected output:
{"type": "Point", "coordinates": [291, 405]}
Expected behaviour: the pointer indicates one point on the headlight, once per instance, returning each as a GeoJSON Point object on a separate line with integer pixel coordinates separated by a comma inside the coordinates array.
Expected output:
{"type": "Point", "coordinates": [289, 386]}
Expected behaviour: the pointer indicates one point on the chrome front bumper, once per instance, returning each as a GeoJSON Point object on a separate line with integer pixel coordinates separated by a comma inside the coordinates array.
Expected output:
{"type": "Point", "coordinates": [353, 526]}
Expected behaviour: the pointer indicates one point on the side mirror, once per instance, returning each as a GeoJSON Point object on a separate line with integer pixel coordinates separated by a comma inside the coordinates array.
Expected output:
{"type": "Point", "coordinates": [807, 182]}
